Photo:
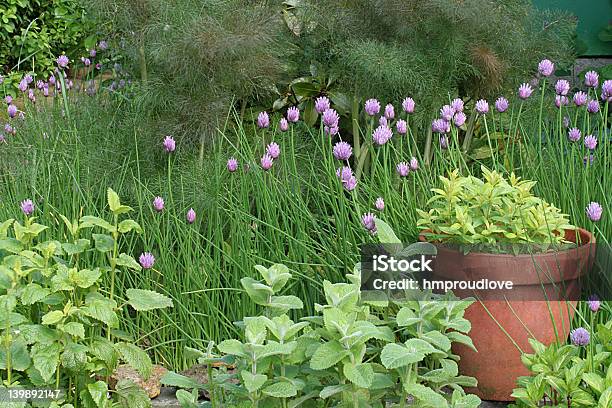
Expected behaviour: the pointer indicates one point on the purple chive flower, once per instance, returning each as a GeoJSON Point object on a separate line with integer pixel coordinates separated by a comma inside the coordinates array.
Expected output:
{"type": "Point", "coordinates": [591, 79]}
{"type": "Point", "coordinates": [331, 118]}
{"type": "Point", "coordinates": [440, 126]}
{"type": "Point", "coordinates": [372, 107]}
{"type": "Point", "coordinates": [594, 303]}
{"type": "Point", "coordinates": [27, 206]}
{"type": "Point", "coordinates": [401, 126]}
{"type": "Point", "coordinates": [501, 104]}
{"type": "Point", "coordinates": [414, 164]}
{"type": "Point", "coordinates": [459, 119]}
{"type": "Point", "coordinates": [98, 66]}
{"type": "Point", "coordinates": [590, 142]}
{"type": "Point", "coordinates": [232, 164]}
{"type": "Point", "coordinates": [589, 159]}
{"type": "Point", "coordinates": [1, 79]}
{"type": "Point", "coordinates": [31, 96]}
{"type": "Point", "coordinates": [52, 79]}
{"type": "Point", "coordinates": [593, 106]}
{"type": "Point", "coordinates": [580, 98]}
{"type": "Point", "coordinates": [403, 169]}
{"type": "Point", "coordinates": [382, 135]}
{"type": "Point", "coordinates": [266, 162]}
{"type": "Point", "coordinates": [443, 142]}
{"type": "Point", "coordinates": [93, 53]}
{"type": "Point", "coordinates": [28, 78]}
{"type": "Point", "coordinates": [263, 120]}
{"type": "Point", "coordinates": [369, 223]}
{"type": "Point", "coordinates": [333, 130]}
{"type": "Point", "coordinates": [46, 90]}
{"type": "Point", "coordinates": [382, 121]}
{"type": "Point", "coordinates": [103, 45]}
{"type": "Point", "coordinates": [342, 151]}
{"type": "Point", "coordinates": [146, 260]}
{"type": "Point", "coordinates": [546, 67]}
{"type": "Point", "coordinates": [580, 337]}
{"type": "Point", "coordinates": [562, 87]}
{"type": "Point", "coordinates": [273, 150]}
{"type": "Point", "coordinates": [293, 114]}
{"type": "Point", "coordinates": [2, 139]}
{"type": "Point", "coordinates": [62, 61]}
{"type": "Point", "coordinates": [389, 112]}
{"type": "Point", "coordinates": [457, 104]}
{"type": "Point", "coordinates": [191, 216]}
{"type": "Point", "coordinates": [379, 204]}
{"type": "Point", "coordinates": [283, 125]}
{"type": "Point", "coordinates": [350, 183]}
{"type": "Point", "coordinates": [344, 173]}
{"type": "Point", "coordinates": [322, 104]}
{"type": "Point", "coordinates": [12, 110]}
{"type": "Point", "coordinates": [408, 105]}
{"type": "Point", "coordinates": [169, 144]}
{"type": "Point", "coordinates": [482, 107]}
{"type": "Point", "coordinates": [594, 211]}
{"type": "Point", "coordinates": [8, 99]}
{"type": "Point", "coordinates": [447, 112]}
{"type": "Point", "coordinates": [574, 134]}
{"type": "Point", "coordinates": [606, 90]}
{"type": "Point", "coordinates": [525, 91]}
{"type": "Point", "coordinates": [158, 204]}
{"type": "Point", "coordinates": [40, 85]}
{"type": "Point", "coordinates": [23, 85]}
{"type": "Point", "coordinates": [9, 129]}
{"type": "Point", "coordinates": [561, 100]}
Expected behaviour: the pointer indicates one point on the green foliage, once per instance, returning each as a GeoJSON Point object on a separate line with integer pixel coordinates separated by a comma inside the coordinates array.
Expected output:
{"type": "Point", "coordinates": [568, 375]}
{"type": "Point", "coordinates": [346, 355]}
{"type": "Point", "coordinates": [56, 323]}
{"type": "Point", "coordinates": [34, 32]}
{"type": "Point", "coordinates": [492, 211]}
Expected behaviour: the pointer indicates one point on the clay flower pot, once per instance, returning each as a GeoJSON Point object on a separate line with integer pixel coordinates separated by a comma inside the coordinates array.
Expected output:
{"type": "Point", "coordinates": [499, 327]}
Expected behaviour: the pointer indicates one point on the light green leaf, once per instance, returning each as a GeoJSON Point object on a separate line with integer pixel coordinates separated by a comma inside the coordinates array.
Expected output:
{"type": "Point", "coordinates": [281, 389]}
{"type": "Point", "coordinates": [135, 357]}
{"type": "Point", "coordinates": [86, 278]}
{"type": "Point", "coordinates": [359, 374]}
{"type": "Point", "coordinates": [286, 302]}
{"type": "Point", "coordinates": [46, 359]}
{"type": "Point", "coordinates": [232, 347]}
{"type": "Point", "coordinates": [98, 392]}
{"type": "Point", "coordinates": [74, 329]}
{"type": "Point", "coordinates": [74, 356]}
{"type": "Point", "coordinates": [427, 396]}
{"type": "Point", "coordinates": [53, 317]}
{"type": "Point", "coordinates": [327, 355]}
{"type": "Point", "coordinates": [253, 382]}
{"type": "Point", "coordinates": [20, 357]}
{"type": "Point", "coordinates": [143, 300]}
{"type": "Point", "coordinates": [129, 225]}
{"type": "Point", "coordinates": [102, 309]}
{"type": "Point", "coordinates": [128, 262]}
{"type": "Point", "coordinates": [33, 293]}
{"type": "Point", "coordinates": [437, 339]}
{"type": "Point", "coordinates": [103, 242]}
{"type": "Point", "coordinates": [395, 356]}
{"type": "Point", "coordinates": [331, 390]}
{"type": "Point", "coordinates": [131, 395]}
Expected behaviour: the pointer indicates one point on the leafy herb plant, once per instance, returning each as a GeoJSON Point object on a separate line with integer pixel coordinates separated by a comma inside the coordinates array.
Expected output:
{"type": "Point", "coordinates": [493, 213]}
{"type": "Point", "coordinates": [57, 324]}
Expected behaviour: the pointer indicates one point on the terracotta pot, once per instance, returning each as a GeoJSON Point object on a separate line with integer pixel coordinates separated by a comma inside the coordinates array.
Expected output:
{"type": "Point", "coordinates": [497, 364]}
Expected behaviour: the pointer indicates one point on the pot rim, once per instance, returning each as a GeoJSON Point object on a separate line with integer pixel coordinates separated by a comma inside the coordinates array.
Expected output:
{"type": "Point", "coordinates": [579, 231]}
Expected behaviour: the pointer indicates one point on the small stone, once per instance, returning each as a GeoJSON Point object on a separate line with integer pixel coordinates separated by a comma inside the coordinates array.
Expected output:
{"type": "Point", "coordinates": [152, 385]}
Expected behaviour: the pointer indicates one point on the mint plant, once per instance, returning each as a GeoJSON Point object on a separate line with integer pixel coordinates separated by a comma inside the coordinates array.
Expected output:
{"type": "Point", "coordinates": [568, 375]}
{"type": "Point", "coordinates": [56, 320]}
{"type": "Point", "coordinates": [493, 213]}
{"type": "Point", "coordinates": [350, 354]}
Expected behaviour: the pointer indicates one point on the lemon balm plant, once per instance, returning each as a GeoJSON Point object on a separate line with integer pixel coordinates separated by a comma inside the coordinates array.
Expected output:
{"type": "Point", "coordinates": [56, 319]}
{"type": "Point", "coordinates": [346, 355]}
{"type": "Point", "coordinates": [492, 213]}
{"type": "Point", "coordinates": [493, 228]}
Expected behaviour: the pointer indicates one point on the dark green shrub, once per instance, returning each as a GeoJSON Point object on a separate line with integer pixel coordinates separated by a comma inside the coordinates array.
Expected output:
{"type": "Point", "coordinates": [34, 32]}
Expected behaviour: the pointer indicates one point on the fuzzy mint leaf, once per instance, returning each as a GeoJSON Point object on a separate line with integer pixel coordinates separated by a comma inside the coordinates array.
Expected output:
{"type": "Point", "coordinates": [136, 358]}
{"type": "Point", "coordinates": [143, 300]}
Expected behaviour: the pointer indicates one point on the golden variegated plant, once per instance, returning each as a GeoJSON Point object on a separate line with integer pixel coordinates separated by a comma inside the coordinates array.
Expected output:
{"type": "Point", "coordinates": [493, 212]}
